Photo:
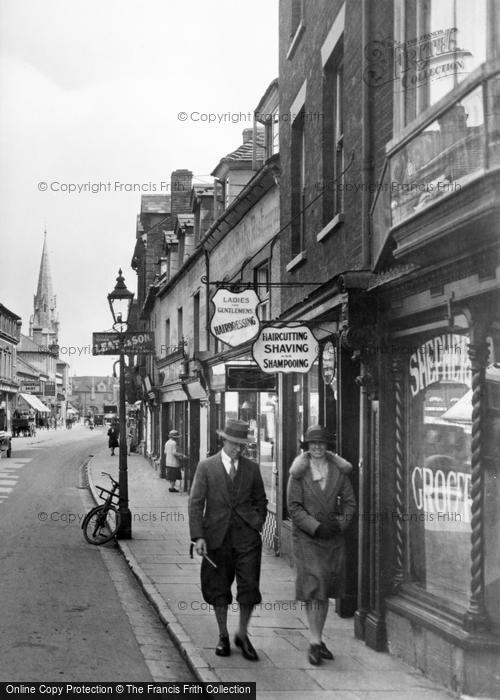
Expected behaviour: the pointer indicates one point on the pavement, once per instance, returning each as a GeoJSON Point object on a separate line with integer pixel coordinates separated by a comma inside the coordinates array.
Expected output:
{"type": "Point", "coordinates": [158, 555]}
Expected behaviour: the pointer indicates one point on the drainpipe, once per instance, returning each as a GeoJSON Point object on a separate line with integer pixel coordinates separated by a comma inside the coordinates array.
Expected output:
{"type": "Point", "coordinates": [364, 404]}
{"type": "Point", "coordinates": [366, 155]}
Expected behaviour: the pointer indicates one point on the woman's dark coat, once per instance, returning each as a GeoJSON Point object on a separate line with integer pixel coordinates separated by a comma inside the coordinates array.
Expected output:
{"type": "Point", "coordinates": [113, 434]}
{"type": "Point", "coordinates": [320, 563]}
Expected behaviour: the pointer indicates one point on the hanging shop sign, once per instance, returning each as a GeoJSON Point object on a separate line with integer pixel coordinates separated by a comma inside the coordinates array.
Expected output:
{"type": "Point", "coordinates": [235, 320]}
{"type": "Point", "coordinates": [133, 343]}
{"type": "Point", "coordinates": [287, 349]}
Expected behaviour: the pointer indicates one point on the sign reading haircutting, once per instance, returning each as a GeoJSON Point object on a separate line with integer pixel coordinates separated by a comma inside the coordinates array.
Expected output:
{"type": "Point", "coordinates": [235, 319]}
{"type": "Point", "coordinates": [287, 349]}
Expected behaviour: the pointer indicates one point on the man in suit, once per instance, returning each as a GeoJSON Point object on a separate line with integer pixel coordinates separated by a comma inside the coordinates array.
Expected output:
{"type": "Point", "coordinates": [227, 509]}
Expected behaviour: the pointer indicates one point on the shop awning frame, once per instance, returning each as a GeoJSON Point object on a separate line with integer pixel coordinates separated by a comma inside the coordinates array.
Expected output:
{"type": "Point", "coordinates": [35, 403]}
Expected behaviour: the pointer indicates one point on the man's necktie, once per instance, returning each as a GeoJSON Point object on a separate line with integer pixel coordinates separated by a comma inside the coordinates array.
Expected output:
{"type": "Point", "coordinates": [232, 471]}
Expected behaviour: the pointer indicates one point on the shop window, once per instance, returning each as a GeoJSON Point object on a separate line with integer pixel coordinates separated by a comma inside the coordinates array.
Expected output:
{"type": "Point", "coordinates": [259, 409]}
{"type": "Point", "coordinates": [439, 517]}
{"type": "Point", "coordinates": [491, 464]}
{"type": "Point", "coordinates": [442, 42]}
{"type": "Point", "coordinates": [440, 158]}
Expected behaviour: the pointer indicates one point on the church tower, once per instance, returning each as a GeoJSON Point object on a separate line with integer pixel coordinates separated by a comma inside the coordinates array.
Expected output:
{"type": "Point", "coordinates": [44, 324]}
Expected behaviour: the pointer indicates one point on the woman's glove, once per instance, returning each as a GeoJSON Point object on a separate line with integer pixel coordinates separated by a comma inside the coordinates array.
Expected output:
{"type": "Point", "coordinates": [325, 531]}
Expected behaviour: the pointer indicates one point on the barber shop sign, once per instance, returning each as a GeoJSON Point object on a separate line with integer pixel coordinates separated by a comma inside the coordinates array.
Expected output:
{"type": "Point", "coordinates": [286, 349]}
{"type": "Point", "coordinates": [235, 319]}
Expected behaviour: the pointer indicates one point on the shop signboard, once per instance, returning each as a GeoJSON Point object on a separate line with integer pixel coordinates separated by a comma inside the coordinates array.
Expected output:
{"type": "Point", "coordinates": [248, 378]}
{"type": "Point", "coordinates": [134, 343]}
{"type": "Point", "coordinates": [286, 349]}
{"type": "Point", "coordinates": [235, 319]}
{"type": "Point", "coordinates": [28, 387]}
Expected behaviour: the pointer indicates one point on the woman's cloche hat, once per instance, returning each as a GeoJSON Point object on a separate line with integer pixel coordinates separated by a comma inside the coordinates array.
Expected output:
{"type": "Point", "coordinates": [235, 431]}
{"type": "Point", "coordinates": [174, 433]}
{"type": "Point", "coordinates": [317, 433]}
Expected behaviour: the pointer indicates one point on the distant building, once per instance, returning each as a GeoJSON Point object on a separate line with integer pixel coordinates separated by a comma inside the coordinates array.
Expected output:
{"type": "Point", "coordinates": [10, 325]}
{"type": "Point", "coordinates": [92, 394]}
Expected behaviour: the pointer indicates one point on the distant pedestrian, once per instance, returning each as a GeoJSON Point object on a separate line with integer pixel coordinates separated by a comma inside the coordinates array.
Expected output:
{"type": "Point", "coordinates": [113, 435]}
{"type": "Point", "coordinates": [173, 460]}
{"type": "Point", "coordinates": [321, 504]}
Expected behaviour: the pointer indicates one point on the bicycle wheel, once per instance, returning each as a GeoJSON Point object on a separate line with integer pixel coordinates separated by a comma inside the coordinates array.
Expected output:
{"type": "Point", "coordinates": [101, 524]}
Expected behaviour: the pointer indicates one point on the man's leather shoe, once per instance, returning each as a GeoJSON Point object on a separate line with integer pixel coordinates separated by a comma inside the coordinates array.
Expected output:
{"type": "Point", "coordinates": [246, 648]}
{"type": "Point", "coordinates": [325, 653]}
{"type": "Point", "coordinates": [314, 654]}
{"type": "Point", "coordinates": [223, 648]}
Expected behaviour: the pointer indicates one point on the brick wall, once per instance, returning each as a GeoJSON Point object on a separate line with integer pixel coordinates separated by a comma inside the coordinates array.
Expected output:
{"type": "Point", "coordinates": [341, 250]}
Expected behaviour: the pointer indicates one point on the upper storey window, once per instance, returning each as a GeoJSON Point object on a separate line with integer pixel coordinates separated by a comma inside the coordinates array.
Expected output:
{"type": "Point", "coordinates": [440, 43]}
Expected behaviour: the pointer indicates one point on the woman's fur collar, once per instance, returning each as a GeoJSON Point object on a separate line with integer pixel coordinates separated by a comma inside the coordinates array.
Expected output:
{"type": "Point", "coordinates": [302, 462]}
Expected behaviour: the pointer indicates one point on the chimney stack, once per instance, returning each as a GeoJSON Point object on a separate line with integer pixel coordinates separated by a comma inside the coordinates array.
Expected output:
{"type": "Point", "coordinates": [247, 135]}
{"type": "Point", "coordinates": [181, 182]}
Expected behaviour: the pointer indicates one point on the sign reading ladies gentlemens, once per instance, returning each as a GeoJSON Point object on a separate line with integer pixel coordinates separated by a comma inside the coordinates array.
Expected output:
{"type": "Point", "coordinates": [235, 319]}
{"type": "Point", "coordinates": [287, 349]}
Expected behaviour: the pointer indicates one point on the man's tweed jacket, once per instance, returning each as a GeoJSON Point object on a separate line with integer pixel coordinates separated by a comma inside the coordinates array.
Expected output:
{"type": "Point", "coordinates": [211, 506]}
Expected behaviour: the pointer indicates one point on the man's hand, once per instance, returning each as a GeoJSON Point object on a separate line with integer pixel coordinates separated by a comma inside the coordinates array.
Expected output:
{"type": "Point", "coordinates": [200, 546]}
{"type": "Point", "coordinates": [326, 531]}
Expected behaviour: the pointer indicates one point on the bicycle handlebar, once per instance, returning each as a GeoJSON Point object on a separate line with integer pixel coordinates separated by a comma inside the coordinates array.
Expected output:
{"type": "Point", "coordinates": [113, 480]}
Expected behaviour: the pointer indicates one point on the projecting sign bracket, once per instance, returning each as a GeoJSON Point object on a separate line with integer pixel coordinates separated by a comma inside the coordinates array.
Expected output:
{"type": "Point", "coordinates": [229, 285]}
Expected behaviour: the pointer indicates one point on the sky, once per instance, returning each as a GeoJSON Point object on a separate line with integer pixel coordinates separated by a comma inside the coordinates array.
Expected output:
{"type": "Point", "coordinates": [105, 95]}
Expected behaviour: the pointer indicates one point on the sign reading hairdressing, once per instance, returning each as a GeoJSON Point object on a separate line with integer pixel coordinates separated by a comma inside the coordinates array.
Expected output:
{"type": "Point", "coordinates": [235, 319]}
{"type": "Point", "coordinates": [287, 349]}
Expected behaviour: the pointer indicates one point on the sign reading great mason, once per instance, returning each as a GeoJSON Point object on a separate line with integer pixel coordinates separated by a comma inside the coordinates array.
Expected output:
{"type": "Point", "coordinates": [133, 343]}
{"type": "Point", "coordinates": [287, 349]}
{"type": "Point", "coordinates": [235, 318]}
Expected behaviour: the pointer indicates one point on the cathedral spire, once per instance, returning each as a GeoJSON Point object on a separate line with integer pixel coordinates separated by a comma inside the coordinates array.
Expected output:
{"type": "Point", "coordinates": [44, 288]}
{"type": "Point", "coordinates": [44, 322]}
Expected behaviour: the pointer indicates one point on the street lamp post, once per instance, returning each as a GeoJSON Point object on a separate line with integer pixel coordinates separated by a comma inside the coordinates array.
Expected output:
{"type": "Point", "coordinates": [120, 302]}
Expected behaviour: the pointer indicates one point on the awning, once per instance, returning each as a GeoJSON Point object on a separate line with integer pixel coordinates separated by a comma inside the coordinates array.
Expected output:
{"type": "Point", "coordinates": [35, 403]}
{"type": "Point", "coordinates": [71, 409]}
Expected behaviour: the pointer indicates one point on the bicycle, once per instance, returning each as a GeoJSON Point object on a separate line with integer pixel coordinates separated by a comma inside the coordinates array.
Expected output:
{"type": "Point", "coordinates": [101, 523]}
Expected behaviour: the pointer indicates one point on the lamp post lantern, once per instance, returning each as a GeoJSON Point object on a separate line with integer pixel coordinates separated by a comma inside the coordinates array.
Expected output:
{"type": "Point", "coordinates": [120, 302]}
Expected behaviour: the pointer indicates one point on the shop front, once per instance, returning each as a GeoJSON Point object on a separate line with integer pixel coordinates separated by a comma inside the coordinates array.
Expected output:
{"type": "Point", "coordinates": [241, 390]}
{"type": "Point", "coordinates": [433, 558]}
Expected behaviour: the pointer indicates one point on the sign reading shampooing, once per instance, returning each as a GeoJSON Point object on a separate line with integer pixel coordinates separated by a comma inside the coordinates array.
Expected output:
{"type": "Point", "coordinates": [235, 319]}
{"type": "Point", "coordinates": [287, 349]}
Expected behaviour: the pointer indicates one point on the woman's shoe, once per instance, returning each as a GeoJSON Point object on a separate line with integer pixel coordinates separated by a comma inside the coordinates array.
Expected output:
{"type": "Point", "coordinates": [325, 652]}
{"type": "Point", "coordinates": [314, 654]}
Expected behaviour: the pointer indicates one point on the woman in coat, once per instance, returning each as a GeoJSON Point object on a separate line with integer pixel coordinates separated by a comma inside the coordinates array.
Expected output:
{"type": "Point", "coordinates": [113, 434]}
{"type": "Point", "coordinates": [321, 505]}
